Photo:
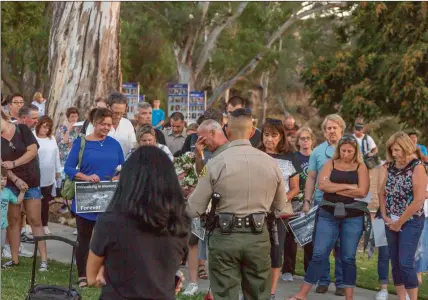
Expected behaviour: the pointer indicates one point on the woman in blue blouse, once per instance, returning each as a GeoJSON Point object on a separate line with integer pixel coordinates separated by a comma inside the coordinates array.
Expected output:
{"type": "Point", "coordinates": [101, 156]}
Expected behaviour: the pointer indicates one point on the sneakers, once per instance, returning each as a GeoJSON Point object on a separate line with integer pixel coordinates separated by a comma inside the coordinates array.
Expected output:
{"type": "Point", "coordinates": [9, 264]}
{"type": "Point", "coordinates": [46, 230]}
{"type": "Point", "coordinates": [382, 295]}
{"type": "Point", "coordinates": [22, 252]}
{"type": "Point", "coordinates": [6, 252]}
{"type": "Point", "coordinates": [340, 291]}
{"type": "Point", "coordinates": [191, 289]}
{"type": "Point", "coordinates": [75, 232]}
{"type": "Point", "coordinates": [272, 297]}
{"type": "Point", "coordinates": [43, 266]}
{"type": "Point", "coordinates": [287, 277]}
{"type": "Point", "coordinates": [26, 238]}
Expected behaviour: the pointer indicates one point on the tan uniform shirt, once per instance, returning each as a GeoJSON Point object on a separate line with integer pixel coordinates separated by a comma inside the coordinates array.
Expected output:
{"type": "Point", "coordinates": [248, 181]}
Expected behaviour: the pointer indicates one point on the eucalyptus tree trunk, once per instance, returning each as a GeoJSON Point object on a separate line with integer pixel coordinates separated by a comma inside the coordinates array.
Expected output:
{"type": "Point", "coordinates": [84, 55]}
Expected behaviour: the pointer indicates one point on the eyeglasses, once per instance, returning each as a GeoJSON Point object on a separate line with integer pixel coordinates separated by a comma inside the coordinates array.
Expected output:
{"type": "Point", "coordinates": [332, 150]}
{"type": "Point", "coordinates": [119, 114]}
{"type": "Point", "coordinates": [304, 138]}
{"type": "Point", "coordinates": [273, 121]}
{"type": "Point", "coordinates": [11, 145]}
{"type": "Point", "coordinates": [18, 102]}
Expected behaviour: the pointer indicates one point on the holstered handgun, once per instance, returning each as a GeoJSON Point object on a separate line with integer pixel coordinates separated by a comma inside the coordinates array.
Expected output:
{"type": "Point", "coordinates": [272, 219]}
{"type": "Point", "coordinates": [209, 219]}
{"type": "Point", "coordinates": [257, 222]}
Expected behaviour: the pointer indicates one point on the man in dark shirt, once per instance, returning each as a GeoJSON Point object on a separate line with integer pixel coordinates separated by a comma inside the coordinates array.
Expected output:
{"type": "Point", "coordinates": [145, 117]}
{"type": "Point", "coordinates": [233, 104]}
{"type": "Point", "coordinates": [28, 115]}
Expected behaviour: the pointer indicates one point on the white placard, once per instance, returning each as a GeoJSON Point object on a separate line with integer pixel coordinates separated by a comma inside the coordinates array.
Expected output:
{"type": "Point", "coordinates": [379, 233]}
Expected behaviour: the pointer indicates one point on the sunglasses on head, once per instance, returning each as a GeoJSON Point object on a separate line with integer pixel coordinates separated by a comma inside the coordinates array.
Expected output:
{"type": "Point", "coordinates": [273, 121]}
{"type": "Point", "coordinates": [348, 138]}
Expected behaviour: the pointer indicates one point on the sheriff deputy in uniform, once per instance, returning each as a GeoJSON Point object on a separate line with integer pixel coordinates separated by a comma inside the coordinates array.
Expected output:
{"type": "Point", "coordinates": [250, 185]}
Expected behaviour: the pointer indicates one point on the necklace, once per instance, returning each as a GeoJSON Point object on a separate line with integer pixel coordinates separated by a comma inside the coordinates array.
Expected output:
{"type": "Point", "coordinates": [101, 143]}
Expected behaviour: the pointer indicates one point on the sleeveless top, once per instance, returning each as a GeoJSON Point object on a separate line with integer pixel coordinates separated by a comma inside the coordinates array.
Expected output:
{"type": "Point", "coordinates": [399, 189]}
{"type": "Point", "coordinates": [344, 177]}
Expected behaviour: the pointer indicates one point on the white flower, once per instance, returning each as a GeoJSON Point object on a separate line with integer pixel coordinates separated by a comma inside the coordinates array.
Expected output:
{"type": "Point", "coordinates": [119, 168]}
{"type": "Point", "coordinates": [190, 16]}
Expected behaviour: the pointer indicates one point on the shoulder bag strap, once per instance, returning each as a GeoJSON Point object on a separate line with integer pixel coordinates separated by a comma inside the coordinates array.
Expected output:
{"type": "Point", "coordinates": [365, 145]}
{"type": "Point", "coordinates": [82, 148]}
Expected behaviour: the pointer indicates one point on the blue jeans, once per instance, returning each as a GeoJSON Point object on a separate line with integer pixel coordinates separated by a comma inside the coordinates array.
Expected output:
{"type": "Point", "coordinates": [328, 230]}
{"type": "Point", "coordinates": [402, 246]}
{"type": "Point", "coordinates": [383, 265]}
{"type": "Point", "coordinates": [325, 277]}
{"type": "Point", "coordinates": [422, 263]}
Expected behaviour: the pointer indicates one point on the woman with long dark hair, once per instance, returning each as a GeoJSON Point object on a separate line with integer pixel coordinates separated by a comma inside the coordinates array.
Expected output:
{"type": "Point", "coordinates": [275, 143]}
{"type": "Point", "coordinates": [139, 242]}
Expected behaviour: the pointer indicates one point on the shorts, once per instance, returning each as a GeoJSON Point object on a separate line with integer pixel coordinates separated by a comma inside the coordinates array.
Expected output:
{"type": "Point", "coordinates": [3, 237]}
{"type": "Point", "coordinates": [31, 193]}
{"type": "Point", "coordinates": [276, 252]}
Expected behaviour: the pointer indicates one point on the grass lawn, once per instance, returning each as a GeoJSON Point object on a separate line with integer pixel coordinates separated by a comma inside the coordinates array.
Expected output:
{"type": "Point", "coordinates": [15, 282]}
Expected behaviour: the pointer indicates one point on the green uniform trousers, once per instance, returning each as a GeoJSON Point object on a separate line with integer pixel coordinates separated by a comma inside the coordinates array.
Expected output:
{"type": "Point", "coordinates": [240, 258]}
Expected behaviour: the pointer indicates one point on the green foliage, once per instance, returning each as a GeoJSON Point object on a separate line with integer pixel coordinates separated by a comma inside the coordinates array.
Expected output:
{"type": "Point", "coordinates": [24, 38]}
{"type": "Point", "coordinates": [146, 52]}
{"type": "Point", "coordinates": [381, 70]}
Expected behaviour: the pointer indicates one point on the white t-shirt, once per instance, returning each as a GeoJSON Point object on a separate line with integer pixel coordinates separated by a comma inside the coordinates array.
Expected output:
{"type": "Point", "coordinates": [370, 142]}
{"type": "Point", "coordinates": [48, 160]}
{"type": "Point", "coordinates": [40, 106]}
{"type": "Point", "coordinates": [124, 134]}
{"type": "Point", "coordinates": [426, 206]}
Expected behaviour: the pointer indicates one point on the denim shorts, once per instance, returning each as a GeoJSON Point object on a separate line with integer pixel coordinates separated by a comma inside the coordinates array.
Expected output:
{"type": "Point", "coordinates": [31, 193]}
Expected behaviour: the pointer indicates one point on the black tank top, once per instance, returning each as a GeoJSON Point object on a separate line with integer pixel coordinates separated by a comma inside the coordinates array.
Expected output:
{"type": "Point", "coordinates": [344, 177]}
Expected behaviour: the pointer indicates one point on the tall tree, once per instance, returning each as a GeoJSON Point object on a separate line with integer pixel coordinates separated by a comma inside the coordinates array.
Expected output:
{"type": "Point", "coordinates": [383, 68]}
{"type": "Point", "coordinates": [24, 46]}
{"type": "Point", "coordinates": [84, 56]}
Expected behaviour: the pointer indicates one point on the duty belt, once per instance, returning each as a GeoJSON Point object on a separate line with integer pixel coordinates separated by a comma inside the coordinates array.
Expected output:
{"type": "Point", "coordinates": [228, 221]}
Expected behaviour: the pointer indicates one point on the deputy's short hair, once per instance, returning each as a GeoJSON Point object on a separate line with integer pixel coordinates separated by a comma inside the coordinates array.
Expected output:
{"type": "Point", "coordinates": [144, 105]}
{"type": "Point", "coordinates": [26, 110]}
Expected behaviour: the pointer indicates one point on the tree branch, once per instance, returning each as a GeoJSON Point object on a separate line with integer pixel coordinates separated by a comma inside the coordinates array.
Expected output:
{"type": "Point", "coordinates": [165, 19]}
{"type": "Point", "coordinates": [204, 6]}
{"type": "Point", "coordinates": [8, 81]}
{"type": "Point", "coordinates": [250, 67]}
{"type": "Point", "coordinates": [212, 39]}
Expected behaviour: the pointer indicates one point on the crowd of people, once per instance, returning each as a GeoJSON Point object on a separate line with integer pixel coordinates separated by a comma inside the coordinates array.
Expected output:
{"type": "Point", "coordinates": [277, 167]}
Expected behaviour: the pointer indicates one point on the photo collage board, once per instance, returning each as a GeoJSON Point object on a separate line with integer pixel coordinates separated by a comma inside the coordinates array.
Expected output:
{"type": "Point", "coordinates": [197, 106]}
{"type": "Point", "coordinates": [132, 92]}
{"type": "Point", "coordinates": [178, 99]}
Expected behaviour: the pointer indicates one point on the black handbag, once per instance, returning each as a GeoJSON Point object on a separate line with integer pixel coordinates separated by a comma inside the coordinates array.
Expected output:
{"type": "Point", "coordinates": [52, 292]}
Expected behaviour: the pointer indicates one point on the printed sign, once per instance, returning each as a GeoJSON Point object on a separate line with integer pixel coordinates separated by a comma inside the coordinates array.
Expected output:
{"type": "Point", "coordinates": [303, 227]}
{"type": "Point", "coordinates": [94, 197]}
{"type": "Point", "coordinates": [178, 99]}
{"type": "Point", "coordinates": [132, 92]}
{"type": "Point", "coordinates": [197, 229]}
{"type": "Point", "coordinates": [197, 106]}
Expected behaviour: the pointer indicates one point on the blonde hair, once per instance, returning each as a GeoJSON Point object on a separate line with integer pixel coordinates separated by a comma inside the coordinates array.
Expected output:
{"type": "Point", "coordinates": [403, 140]}
{"type": "Point", "coordinates": [350, 140]}
{"type": "Point", "coordinates": [300, 131]}
{"type": "Point", "coordinates": [37, 95]}
{"type": "Point", "coordinates": [144, 130]}
{"type": "Point", "coordinates": [334, 118]}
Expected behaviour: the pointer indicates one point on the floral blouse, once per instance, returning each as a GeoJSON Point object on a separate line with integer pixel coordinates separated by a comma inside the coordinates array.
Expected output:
{"type": "Point", "coordinates": [399, 189]}
{"type": "Point", "coordinates": [64, 149]}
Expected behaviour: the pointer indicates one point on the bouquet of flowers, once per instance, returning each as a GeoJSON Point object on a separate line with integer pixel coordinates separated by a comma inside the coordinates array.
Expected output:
{"type": "Point", "coordinates": [186, 172]}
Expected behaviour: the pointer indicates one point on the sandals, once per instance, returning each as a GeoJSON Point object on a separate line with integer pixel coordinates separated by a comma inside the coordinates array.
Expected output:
{"type": "Point", "coordinates": [295, 298]}
{"type": "Point", "coordinates": [83, 283]}
{"type": "Point", "coordinates": [202, 273]}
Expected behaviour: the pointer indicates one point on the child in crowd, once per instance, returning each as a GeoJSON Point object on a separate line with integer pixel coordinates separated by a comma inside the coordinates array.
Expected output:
{"type": "Point", "coordinates": [158, 118]}
{"type": "Point", "coordinates": [7, 197]}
